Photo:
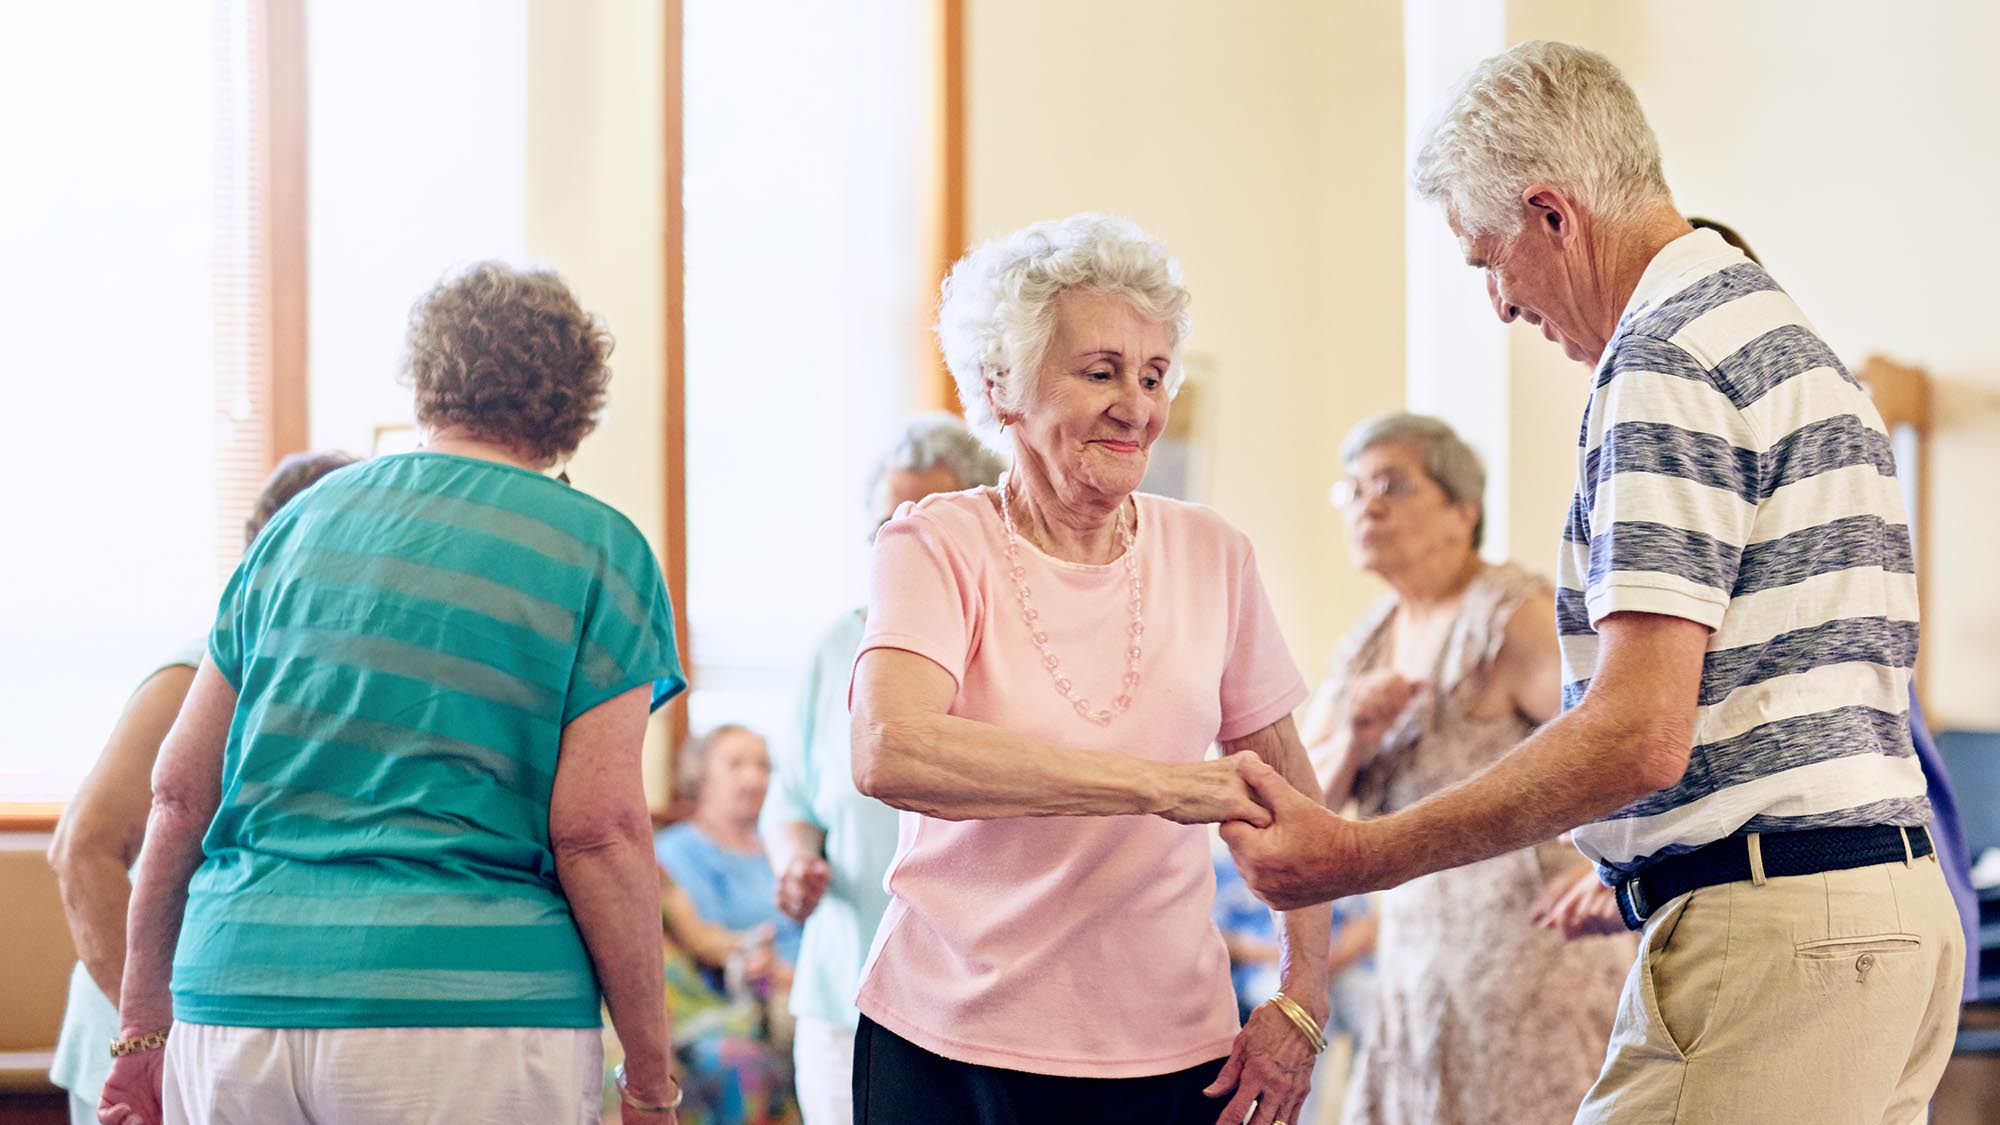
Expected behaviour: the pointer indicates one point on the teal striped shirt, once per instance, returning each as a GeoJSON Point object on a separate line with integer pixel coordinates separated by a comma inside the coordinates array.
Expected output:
{"type": "Point", "coordinates": [408, 640]}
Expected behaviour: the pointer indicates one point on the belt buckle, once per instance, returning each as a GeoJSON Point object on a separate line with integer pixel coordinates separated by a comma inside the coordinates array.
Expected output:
{"type": "Point", "coordinates": [1632, 903]}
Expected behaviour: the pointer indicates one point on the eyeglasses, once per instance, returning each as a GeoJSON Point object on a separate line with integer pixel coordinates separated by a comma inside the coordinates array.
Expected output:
{"type": "Point", "coordinates": [1349, 492]}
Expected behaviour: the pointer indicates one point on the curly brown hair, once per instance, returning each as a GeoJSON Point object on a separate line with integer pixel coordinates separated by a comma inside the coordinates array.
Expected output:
{"type": "Point", "coordinates": [510, 356]}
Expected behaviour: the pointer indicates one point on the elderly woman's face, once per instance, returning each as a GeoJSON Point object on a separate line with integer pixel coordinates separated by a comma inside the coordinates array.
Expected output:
{"type": "Point", "coordinates": [1100, 398]}
{"type": "Point", "coordinates": [734, 778]}
{"type": "Point", "coordinates": [1401, 517]}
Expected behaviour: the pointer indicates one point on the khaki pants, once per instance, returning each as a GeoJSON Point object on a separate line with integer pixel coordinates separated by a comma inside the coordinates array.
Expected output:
{"type": "Point", "coordinates": [1819, 999]}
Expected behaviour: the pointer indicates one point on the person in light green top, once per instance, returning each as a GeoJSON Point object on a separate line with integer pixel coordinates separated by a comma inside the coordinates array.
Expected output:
{"type": "Point", "coordinates": [98, 838]}
{"type": "Point", "coordinates": [399, 852]}
{"type": "Point", "coordinates": [829, 844]}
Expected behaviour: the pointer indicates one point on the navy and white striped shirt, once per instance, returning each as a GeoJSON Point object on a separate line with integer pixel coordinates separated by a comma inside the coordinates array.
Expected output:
{"type": "Point", "coordinates": [1731, 472]}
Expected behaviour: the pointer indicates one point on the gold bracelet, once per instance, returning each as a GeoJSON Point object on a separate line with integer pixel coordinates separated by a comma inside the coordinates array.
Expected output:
{"type": "Point", "coordinates": [625, 1095]}
{"type": "Point", "coordinates": [1302, 1020]}
{"type": "Point", "coordinates": [151, 1041]}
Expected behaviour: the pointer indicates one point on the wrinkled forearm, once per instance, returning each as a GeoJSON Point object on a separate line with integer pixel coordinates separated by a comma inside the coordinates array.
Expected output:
{"type": "Point", "coordinates": [1580, 767]}
{"type": "Point", "coordinates": [1307, 931]}
{"type": "Point", "coordinates": [792, 839]}
{"type": "Point", "coordinates": [96, 898]}
{"type": "Point", "coordinates": [153, 924]}
{"type": "Point", "coordinates": [605, 884]}
{"type": "Point", "coordinates": [959, 769]}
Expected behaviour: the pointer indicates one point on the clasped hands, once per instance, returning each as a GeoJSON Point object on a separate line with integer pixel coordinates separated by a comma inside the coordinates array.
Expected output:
{"type": "Point", "coordinates": [1292, 852]}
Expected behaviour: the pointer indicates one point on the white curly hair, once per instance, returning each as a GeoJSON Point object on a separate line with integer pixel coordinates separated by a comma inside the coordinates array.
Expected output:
{"type": "Point", "coordinates": [996, 309]}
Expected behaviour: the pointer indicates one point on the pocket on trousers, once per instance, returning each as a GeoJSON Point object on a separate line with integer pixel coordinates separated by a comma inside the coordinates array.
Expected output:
{"type": "Point", "coordinates": [1653, 944]}
{"type": "Point", "coordinates": [1834, 949]}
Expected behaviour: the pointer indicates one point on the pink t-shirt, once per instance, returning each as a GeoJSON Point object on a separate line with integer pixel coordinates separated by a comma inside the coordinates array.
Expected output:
{"type": "Point", "coordinates": [1076, 946]}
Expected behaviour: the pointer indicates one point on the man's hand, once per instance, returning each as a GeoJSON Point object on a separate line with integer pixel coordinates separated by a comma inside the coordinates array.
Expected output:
{"type": "Point", "coordinates": [1578, 904]}
{"type": "Point", "coordinates": [801, 884]}
{"type": "Point", "coordinates": [1307, 855]}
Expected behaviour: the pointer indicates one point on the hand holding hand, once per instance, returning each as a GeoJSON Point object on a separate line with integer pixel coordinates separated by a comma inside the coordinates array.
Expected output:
{"type": "Point", "coordinates": [1215, 791]}
{"type": "Point", "coordinates": [801, 885]}
{"type": "Point", "coordinates": [1577, 904]}
{"type": "Point", "coordinates": [1306, 855]}
{"type": "Point", "coordinates": [1374, 704]}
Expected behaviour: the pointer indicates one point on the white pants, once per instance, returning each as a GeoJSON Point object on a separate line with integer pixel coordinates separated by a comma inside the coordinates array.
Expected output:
{"type": "Point", "coordinates": [383, 1075]}
{"type": "Point", "coordinates": [823, 1071]}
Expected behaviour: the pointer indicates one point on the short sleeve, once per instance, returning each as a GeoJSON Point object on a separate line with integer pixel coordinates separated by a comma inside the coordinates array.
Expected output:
{"type": "Point", "coordinates": [921, 595]}
{"type": "Point", "coordinates": [1671, 489]}
{"type": "Point", "coordinates": [226, 638]}
{"type": "Point", "coordinates": [1260, 682]}
{"type": "Point", "coordinates": [627, 634]}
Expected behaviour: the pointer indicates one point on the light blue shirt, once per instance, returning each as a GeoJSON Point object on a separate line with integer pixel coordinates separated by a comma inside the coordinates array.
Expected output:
{"type": "Point", "coordinates": [812, 780]}
{"type": "Point", "coordinates": [732, 889]}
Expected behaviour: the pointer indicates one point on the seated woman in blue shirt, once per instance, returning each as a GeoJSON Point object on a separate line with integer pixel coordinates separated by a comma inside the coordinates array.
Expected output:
{"type": "Point", "coordinates": [717, 866]}
{"type": "Point", "coordinates": [715, 854]}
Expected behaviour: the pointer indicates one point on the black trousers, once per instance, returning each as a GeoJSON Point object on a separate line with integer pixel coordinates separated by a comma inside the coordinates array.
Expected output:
{"type": "Point", "coordinates": [897, 1082]}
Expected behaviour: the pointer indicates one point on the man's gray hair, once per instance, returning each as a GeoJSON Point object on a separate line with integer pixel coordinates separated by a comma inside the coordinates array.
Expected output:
{"type": "Point", "coordinates": [1447, 459]}
{"type": "Point", "coordinates": [1539, 113]}
{"type": "Point", "coordinates": [939, 441]}
{"type": "Point", "coordinates": [996, 309]}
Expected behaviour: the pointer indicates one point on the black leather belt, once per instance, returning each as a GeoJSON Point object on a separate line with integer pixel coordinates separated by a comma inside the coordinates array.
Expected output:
{"type": "Point", "coordinates": [1806, 852]}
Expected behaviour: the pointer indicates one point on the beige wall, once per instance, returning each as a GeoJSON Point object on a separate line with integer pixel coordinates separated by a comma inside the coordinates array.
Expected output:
{"type": "Point", "coordinates": [1857, 152]}
{"type": "Point", "coordinates": [1263, 144]}
{"type": "Point", "coordinates": [595, 210]}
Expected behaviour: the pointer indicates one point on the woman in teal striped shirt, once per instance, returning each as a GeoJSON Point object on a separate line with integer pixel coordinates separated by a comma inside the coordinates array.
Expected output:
{"type": "Point", "coordinates": [398, 849]}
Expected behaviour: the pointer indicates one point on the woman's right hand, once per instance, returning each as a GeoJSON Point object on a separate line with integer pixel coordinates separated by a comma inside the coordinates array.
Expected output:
{"type": "Point", "coordinates": [1374, 704]}
{"type": "Point", "coordinates": [132, 1092]}
{"type": "Point", "coordinates": [1213, 791]}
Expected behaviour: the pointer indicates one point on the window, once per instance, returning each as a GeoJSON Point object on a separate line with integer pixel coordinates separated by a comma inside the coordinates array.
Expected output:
{"type": "Point", "coordinates": [146, 384]}
{"type": "Point", "coordinates": [810, 197]}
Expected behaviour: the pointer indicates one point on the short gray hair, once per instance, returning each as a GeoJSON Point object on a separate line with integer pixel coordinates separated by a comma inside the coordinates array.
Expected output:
{"type": "Point", "coordinates": [939, 441]}
{"type": "Point", "coordinates": [1540, 112]}
{"type": "Point", "coordinates": [996, 314]}
{"type": "Point", "coordinates": [1447, 459]}
{"type": "Point", "coordinates": [693, 764]}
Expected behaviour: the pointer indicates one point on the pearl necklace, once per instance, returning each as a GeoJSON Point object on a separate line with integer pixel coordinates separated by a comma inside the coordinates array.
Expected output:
{"type": "Point", "coordinates": [1031, 618]}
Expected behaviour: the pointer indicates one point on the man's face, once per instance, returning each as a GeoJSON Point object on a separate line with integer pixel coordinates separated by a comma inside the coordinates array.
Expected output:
{"type": "Point", "coordinates": [1529, 277]}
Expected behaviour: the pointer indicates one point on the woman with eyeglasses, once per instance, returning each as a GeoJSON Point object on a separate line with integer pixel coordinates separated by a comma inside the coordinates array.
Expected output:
{"type": "Point", "coordinates": [1480, 1016]}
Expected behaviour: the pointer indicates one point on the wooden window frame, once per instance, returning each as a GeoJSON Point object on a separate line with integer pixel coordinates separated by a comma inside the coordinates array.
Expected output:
{"type": "Point", "coordinates": [947, 238]}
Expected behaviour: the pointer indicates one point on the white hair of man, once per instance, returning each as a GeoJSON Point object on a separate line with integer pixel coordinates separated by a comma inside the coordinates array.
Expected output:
{"type": "Point", "coordinates": [936, 441]}
{"type": "Point", "coordinates": [940, 441]}
{"type": "Point", "coordinates": [1539, 113]}
{"type": "Point", "coordinates": [996, 311]}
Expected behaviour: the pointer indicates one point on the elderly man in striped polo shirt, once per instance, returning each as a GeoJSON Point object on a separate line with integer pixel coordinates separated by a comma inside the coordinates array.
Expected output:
{"type": "Point", "coordinates": [1738, 614]}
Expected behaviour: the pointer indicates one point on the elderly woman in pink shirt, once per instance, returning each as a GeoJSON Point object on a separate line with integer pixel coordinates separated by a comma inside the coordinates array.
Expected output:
{"type": "Point", "coordinates": [1045, 667]}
